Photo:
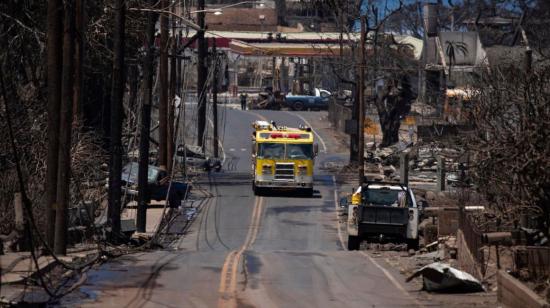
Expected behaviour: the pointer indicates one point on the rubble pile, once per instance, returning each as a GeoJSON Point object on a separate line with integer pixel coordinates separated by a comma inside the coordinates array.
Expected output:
{"type": "Point", "coordinates": [383, 163]}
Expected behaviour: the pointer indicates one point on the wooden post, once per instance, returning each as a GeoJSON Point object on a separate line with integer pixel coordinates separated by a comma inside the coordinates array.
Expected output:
{"type": "Point", "coordinates": [54, 59]}
{"type": "Point", "coordinates": [18, 208]}
{"type": "Point", "coordinates": [404, 168]}
{"type": "Point", "coordinates": [361, 92]}
{"type": "Point", "coordinates": [21, 224]}
{"type": "Point", "coordinates": [79, 59]}
{"type": "Point", "coordinates": [215, 96]}
{"type": "Point", "coordinates": [65, 129]}
{"type": "Point", "coordinates": [201, 74]}
{"type": "Point", "coordinates": [171, 97]}
{"type": "Point", "coordinates": [163, 97]}
{"type": "Point", "coordinates": [148, 69]}
{"type": "Point", "coordinates": [440, 174]}
{"type": "Point", "coordinates": [117, 95]}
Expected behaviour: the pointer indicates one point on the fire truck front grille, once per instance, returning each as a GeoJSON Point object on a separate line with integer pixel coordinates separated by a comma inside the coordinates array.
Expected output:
{"type": "Point", "coordinates": [284, 171]}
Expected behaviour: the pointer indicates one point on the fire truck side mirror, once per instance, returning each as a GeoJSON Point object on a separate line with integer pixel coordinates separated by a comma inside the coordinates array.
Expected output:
{"type": "Point", "coordinates": [315, 149]}
{"type": "Point", "coordinates": [253, 149]}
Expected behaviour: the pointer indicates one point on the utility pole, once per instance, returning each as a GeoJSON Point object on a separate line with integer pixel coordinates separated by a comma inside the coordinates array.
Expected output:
{"type": "Point", "coordinates": [54, 59]}
{"type": "Point", "coordinates": [172, 96]}
{"type": "Point", "coordinates": [215, 96]}
{"type": "Point", "coordinates": [361, 92]}
{"type": "Point", "coordinates": [65, 128]}
{"type": "Point", "coordinates": [201, 74]}
{"type": "Point", "coordinates": [145, 128]}
{"type": "Point", "coordinates": [163, 99]}
{"type": "Point", "coordinates": [117, 95]}
{"type": "Point", "coordinates": [79, 59]}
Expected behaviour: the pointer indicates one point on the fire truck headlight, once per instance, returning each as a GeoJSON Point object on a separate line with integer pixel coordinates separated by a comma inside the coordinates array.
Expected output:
{"type": "Point", "coordinates": [302, 170]}
{"type": "Point", "coordinates": [266, 169]}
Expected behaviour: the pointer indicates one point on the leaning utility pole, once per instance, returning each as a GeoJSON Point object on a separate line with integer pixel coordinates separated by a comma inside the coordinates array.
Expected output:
{"type": "Point", "coordinates": [65, 128]}
{"type": "Point", "coordinates": [361, 92]}
{"type": "Point", "coordinates": [163, 99]}
{"type": "Point", "coordinates": [215, 96]}
{"type": "Point", "coordinates": [117, 95]}
{"type": "Point", "coordinates": [201, 74]}
{"type": "Point", "coordinates": [145, 128]}
{"type": "Point", "coordinates": [54, 56]}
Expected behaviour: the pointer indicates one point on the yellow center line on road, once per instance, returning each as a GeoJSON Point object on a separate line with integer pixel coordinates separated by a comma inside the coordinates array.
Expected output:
{"type": "Point", "coordinates": [228, 279]}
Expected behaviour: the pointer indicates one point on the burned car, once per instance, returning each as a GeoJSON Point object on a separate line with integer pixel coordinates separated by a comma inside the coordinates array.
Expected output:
{"type": "Point", "coordinates": [158, 184]}
{"type": "Point", "coordinates": [193, 156]}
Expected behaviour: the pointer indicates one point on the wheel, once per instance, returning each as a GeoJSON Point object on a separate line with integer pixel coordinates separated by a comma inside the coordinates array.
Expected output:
{"type": "Point", "coordinates": [298, 106]}
{"type": "Point", "coordinates": [412, 244]}
{"type": "Point", "coordinates": [307, 192]}
{"type": "Point", "coordinates": [258, 191]}
{"type": "Point", "coordinates": [354, 242]}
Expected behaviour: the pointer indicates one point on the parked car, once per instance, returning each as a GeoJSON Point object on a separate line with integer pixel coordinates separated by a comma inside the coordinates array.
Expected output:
{"type": "Point", "coordinates": [195, 157]}
{"type": "Point", "coordinates": [319, 100]}
{"type": "Point", "coordinates": [158, 184]}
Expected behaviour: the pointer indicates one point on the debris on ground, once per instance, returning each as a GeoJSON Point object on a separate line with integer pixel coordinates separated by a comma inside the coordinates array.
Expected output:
{"type": "Point", "coordinates": [441, 277]}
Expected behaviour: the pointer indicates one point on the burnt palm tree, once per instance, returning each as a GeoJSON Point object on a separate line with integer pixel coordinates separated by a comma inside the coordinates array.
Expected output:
{"type": "Point", "coordinates": [454, 48]}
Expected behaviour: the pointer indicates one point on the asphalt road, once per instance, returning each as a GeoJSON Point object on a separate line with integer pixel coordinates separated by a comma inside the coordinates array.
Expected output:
{"type": "Point", "coordinates": [247, 251]}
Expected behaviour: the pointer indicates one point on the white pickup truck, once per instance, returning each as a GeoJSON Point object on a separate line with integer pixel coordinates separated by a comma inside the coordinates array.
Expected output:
{"type": "Point", "coordinates": [320, 100]}
{"type": "Point", "coordinates": [382, 211]}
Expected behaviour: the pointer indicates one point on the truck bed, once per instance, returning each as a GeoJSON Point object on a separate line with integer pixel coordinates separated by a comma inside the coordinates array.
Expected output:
{"type": "Point", "coordinates": [383, 220]}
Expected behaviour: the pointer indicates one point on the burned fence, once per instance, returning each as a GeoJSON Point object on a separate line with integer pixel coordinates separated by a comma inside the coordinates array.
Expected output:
{"type": "Point", "coordinates": [536, 259]}
{"type": "Point", "coordinates": [473, 239]}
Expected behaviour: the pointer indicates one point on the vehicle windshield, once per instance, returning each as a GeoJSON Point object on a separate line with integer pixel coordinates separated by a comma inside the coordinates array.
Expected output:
{"type": "Point", "coordinates": [299, 151]}
{"type": "Point", "coordinates": [285, 151]}
{"type": "Point", "coordinates": [271, 150]}
{"type": "Point", "coordinates": [130, 173]}
{"type": "Point", "coordinates": [387, 197]}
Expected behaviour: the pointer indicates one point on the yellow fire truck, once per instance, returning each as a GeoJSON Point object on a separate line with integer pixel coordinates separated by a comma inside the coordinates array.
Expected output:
{"type": "Point", "coordinates": [282, 158]}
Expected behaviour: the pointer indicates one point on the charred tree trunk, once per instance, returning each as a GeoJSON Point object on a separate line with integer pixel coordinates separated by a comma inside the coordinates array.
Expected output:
{"type": "Point", "coordinates": [65, 127]}
{"type": "Point", "coordinates": [117, 95]}
{"type": "Point", "coordinates": [280, 8]}
{"type": "Point", "coordinates": [163, 99]}
{"type": "Point", "coordinates": [390, 123]}
{"type": "Point", "coordinates": [392, 104]}
{"type": "Point", "coordinates": [55, 53]}
{"type": "Point", "coordinates": [148, 69]}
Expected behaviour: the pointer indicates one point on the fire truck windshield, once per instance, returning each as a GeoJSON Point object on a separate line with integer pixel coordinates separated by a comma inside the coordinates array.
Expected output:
{"type": "Point", "coordinates": [299, 151]}
{"type": "Point", "coordinates": [271, 150]}
{"type": "Point", "coordinates": [285, 151]}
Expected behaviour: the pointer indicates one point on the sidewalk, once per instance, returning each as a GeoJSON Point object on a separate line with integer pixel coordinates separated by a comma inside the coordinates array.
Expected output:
{"type": "Point", "coordinates": [154, 215]}
{"type": "Point", "coordinates": [18, 268]}
{"type": "Point", "coordinates": [19, 275]}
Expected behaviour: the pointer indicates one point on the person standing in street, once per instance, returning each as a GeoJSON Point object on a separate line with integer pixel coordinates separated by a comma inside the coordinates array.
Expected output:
{"type": "Point", "coordinates": [243, 101]}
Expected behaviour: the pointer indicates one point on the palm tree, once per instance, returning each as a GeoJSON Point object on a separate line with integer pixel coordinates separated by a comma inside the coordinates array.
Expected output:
{"type": "Point", "coordinates": [452, 49]}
